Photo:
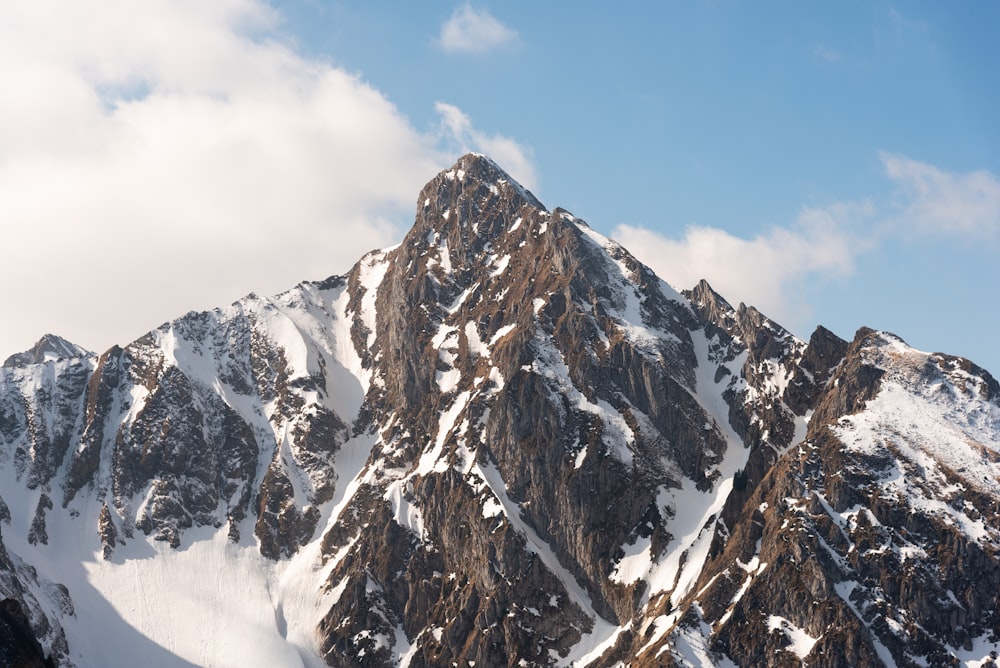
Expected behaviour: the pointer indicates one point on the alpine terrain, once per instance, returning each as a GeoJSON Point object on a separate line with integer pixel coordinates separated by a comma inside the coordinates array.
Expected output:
{"type": "Point", "coordinates": [504, 442]}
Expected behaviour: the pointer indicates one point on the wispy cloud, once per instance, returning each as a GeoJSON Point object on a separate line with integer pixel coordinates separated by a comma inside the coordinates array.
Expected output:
{"type": "Point", "coordinates": [933, 201]}
{"type": "Point", "coordinates": [458, 131]}
{"type": "Point", "coordinates": [170, 156]}
{"type": "Point", "coordinates": [773, 271]}
{"type": "Point", "coordinates": [474, 31]}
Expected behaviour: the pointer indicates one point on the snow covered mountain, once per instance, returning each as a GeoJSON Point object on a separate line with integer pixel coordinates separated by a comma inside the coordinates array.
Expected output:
{"type": "Point", "coordinates": [504, 442]}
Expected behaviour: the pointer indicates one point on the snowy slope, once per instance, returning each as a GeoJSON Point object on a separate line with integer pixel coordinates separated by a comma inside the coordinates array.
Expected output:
{"type": "Point", "coordinates": [204, 601]}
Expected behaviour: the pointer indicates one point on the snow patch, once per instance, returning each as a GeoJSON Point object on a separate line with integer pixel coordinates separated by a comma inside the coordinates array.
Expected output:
{"type": "Point", "coordinates": [501, 266]}
{"type": "Point", "coordinates": [405, 513]}
{"type": "Point", "coordinates": [502, 332]}
{"type": "Point", "coordinates": [636, 562]}
{"type": "Point", "coordinates": [801, 642]}
{"type": "Point", "coordinates": [448, 380]}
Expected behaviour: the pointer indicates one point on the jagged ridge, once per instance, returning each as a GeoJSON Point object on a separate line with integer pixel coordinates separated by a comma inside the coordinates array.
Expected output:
{"type": "Point", "coordinates": [507, 441]}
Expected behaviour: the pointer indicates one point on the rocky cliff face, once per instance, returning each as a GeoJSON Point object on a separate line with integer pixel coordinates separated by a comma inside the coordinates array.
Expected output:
{"type": "Point", "coordinates": [505, 441]}
{"type": "Point", "coordinates": [874, 540]}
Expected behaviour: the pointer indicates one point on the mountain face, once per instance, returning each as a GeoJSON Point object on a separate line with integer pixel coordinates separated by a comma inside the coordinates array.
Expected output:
{"type": "Point", "coordinates": [504, 442]}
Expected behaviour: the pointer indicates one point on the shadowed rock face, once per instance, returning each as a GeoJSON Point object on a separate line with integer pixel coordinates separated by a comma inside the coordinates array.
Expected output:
{"type": "Point", "coordinates": [505, 441]}
{"type": "Point", "coordinates": [23, 620]}
{"type": "Point", "coordinates": [18, 646]}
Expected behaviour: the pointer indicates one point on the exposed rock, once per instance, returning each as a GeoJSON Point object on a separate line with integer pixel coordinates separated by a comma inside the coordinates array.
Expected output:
{"type": "Point", "coordinates": [102, 387]}
{"type": "Point", "coordinates": [824, 352]}
{"type": "Point", "coordinates": [18, 646]}
{"type": "Point", "coordinates": [37, 533]}
{"type": "Point", "coordinates": [281, 525]}
{"type": "Point", "coordinates": [30, 635]}
{"type": "Point", "coordinates": [109, 534]}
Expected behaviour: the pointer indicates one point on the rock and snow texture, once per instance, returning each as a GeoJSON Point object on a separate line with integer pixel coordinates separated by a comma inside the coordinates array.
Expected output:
{"type": "Point", "coordinates": [49, 348]}
{"type": "Point", "coordinates": [873, 540]}
{"type": "Point", "coordinates": [504, 442]}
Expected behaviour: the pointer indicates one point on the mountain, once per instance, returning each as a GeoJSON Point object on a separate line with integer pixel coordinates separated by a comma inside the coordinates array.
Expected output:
{"type": "Point", "coordinates": [504, 442]}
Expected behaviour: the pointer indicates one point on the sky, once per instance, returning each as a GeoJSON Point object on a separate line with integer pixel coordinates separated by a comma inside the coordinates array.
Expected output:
{"type": "Point", "coordinates": [834, 164]}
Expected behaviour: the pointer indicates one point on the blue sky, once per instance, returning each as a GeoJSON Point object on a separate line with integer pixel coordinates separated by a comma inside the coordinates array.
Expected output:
{"type": "Point", "coordinates": [834, 164]}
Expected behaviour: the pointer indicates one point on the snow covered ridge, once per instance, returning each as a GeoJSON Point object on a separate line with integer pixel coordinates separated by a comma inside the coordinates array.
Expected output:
{"type": "Point", "coordinates": [934, 425]}
{"type": "Point", "coordinates": [943, 404]}
{"type": "Point", "coordinates": [504, 441]}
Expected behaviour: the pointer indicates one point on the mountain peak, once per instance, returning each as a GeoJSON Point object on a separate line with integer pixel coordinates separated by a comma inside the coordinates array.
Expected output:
{"type": "Point", "coordinates": [49, 348]}
{"type": "Point", "coordinates": [478, 167]}
{"type": "Point", "coordinates": [473, 176]}
{"type": "Point", "coordinates": [466, 210]}
{"type": "Point", "coordinates": [705, 297]}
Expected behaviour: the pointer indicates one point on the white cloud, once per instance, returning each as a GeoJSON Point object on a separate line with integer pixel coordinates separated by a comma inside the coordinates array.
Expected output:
{"type": "Point", "coordinates": [163, 156]}
{"type": "Point", "coordinates": [472, 31]}
{"type": "Point", "coordinates": [776, 270]}
{"type": "Point", "coordinates": [513, 157]}
{"type": "Point", "coordinates": [768, 271]}
{"type": "Point", "coordinates": [937, 202]}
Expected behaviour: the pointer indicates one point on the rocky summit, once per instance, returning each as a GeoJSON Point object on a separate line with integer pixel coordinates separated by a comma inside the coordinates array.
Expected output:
{"type": "Point", "coordinates": [503, 442]}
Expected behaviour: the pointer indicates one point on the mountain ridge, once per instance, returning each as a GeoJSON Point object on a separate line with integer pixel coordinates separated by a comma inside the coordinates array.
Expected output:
{"type": "Point", "coordinates": [506, 441]}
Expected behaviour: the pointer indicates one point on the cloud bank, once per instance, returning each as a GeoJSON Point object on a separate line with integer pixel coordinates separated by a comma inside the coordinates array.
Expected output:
{"type": "Point", "coordinates": [162, 156]}
{"type": "Point", "coordinates": [474, 31]}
